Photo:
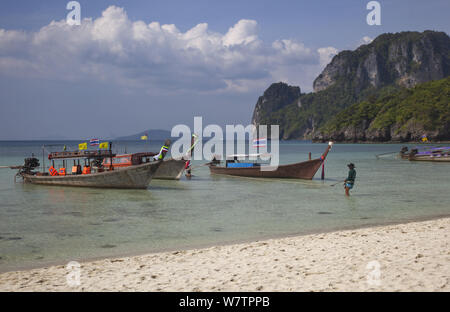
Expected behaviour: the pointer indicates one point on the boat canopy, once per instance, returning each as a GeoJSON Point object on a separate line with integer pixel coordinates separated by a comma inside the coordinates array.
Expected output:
{"type": "Point", "coordinates": [81, 154]}
{"type": "Point", "coordinates": [125, 160]}
{"type": "Point", "coordinates": [243, 156]}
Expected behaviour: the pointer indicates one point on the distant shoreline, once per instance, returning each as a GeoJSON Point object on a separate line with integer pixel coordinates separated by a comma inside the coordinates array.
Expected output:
{"type": "Point", "coordinates": [387, 142]}
{"type": "Point", "coordinates": [207, 139]}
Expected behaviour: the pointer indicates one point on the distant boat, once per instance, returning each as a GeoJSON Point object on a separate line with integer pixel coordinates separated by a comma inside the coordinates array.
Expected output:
{"type": "Point", "coordinates": [152, 134]}
{"type": "Point", "coordinates": [235, 167]}
{"type": "Point", "coordinates": [435, 154]}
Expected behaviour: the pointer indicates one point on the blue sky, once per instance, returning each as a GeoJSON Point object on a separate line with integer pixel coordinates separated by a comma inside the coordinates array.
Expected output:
{"type": "Point", "coordinates": [121, 85]}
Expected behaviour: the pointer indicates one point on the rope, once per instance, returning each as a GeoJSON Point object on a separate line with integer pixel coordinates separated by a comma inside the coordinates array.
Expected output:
{"type": "Point", "coordinates": [337, 183]}
{"type": "Point", "coordinates": [386, 154]}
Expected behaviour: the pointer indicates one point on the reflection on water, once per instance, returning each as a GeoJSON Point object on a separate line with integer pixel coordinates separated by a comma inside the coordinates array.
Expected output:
{"type": "Point", "coordinates": [42, 224]}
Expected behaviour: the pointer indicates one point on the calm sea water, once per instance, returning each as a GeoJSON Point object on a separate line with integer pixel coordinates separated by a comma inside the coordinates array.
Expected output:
{"type": "Point", "coordinates": [41, 225]}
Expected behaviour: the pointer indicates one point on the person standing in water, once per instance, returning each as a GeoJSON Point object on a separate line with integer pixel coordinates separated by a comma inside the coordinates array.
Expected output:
{"type": "Point", "coordinates": [348, 183]}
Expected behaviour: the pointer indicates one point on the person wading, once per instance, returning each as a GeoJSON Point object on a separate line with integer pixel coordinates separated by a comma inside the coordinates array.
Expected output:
{"type": "Point", "coordinates": [348, 183]}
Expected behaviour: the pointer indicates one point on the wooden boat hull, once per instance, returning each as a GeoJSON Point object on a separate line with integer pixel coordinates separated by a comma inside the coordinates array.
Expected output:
{"type": "Point", "coordinates": [303, 170]}
{"type": "Point", "coordinates": [133, 177]}
{"type": "Point", "coordinates": [170, 169]}
{"type": "Point", "coordinates": [435, 158]}
{"type": "Point", "coordinates": [430, 158]}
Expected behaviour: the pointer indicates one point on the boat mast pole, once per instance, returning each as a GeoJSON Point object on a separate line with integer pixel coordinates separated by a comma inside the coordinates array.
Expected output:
{"type": "Point", "coordinates": [323, 157]}
{"type": "Point", "coordinates": [110, 157]}
{"type": "Point", "coordinates": [322, 177]}
{"type": "Point", "coordinates": [43, 160]}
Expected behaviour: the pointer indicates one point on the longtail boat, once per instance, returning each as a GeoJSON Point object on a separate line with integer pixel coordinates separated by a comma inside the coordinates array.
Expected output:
{"type": "Point", "coordinates": [134, 177]}
{"type": "Point", "coordinates": [301, 170]}
{"type": "Point", "coordinates": [434, 154]}
{"type": "Point", "coordinates": [95, 173]}
{"type": "Point", "coordinates": [170, 169]}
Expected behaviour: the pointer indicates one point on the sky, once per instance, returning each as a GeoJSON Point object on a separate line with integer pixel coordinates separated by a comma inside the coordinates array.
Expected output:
{"type": "Point", "coordinates": [144, 64]}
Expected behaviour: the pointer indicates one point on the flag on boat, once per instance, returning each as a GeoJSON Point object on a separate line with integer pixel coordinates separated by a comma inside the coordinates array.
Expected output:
{"type": "Point", "coordinates": [161, 153]}
{"type": "Point", "coordinates": [260, 142]}
{"type": "Point", "coordinates": [94, 142]}
{"type": "Point", "coordinates": [144, 137]}
{"type": "Point", "coordinates": [103, 145]}
{"type": "Point", "coordinates": [82, 146]}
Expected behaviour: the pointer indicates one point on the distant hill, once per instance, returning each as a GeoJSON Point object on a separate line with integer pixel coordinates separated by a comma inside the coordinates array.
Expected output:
{"type": "Point", "coordinates": [153, 134]}
{"type": "Point", "coordinates": [391, 63]}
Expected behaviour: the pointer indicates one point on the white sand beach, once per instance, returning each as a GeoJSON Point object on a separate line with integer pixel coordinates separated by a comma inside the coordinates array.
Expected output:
{"type": "Point", "coordinates": [411, 257]}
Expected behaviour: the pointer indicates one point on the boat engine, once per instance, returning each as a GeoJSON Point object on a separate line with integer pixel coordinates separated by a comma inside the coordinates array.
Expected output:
{"type": "Point", "coordinates": [29, 165]}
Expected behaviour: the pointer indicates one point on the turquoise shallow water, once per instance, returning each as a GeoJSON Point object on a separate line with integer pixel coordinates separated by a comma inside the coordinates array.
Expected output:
{"type": "Point", "coordinates": [41, 225]}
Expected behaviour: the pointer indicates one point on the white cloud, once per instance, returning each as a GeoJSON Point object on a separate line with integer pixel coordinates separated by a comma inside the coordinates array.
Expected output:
{"type": "Point", "coordinates": [326, 55]}
{"type": "Point", "coordinates": [293, 50]}
{"type": "Point", "coordinates": [114, 49]}
{"type": "Point", "coordinates": [365, 40]}
{"type": "Point", "coordinates": [243, 33]}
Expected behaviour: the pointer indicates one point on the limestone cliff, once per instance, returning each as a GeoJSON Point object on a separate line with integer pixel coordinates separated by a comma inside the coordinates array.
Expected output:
{"type": "Point", "coordinates": [405, 59]}
{"type": "Point", "coordinates": [391, 62]}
